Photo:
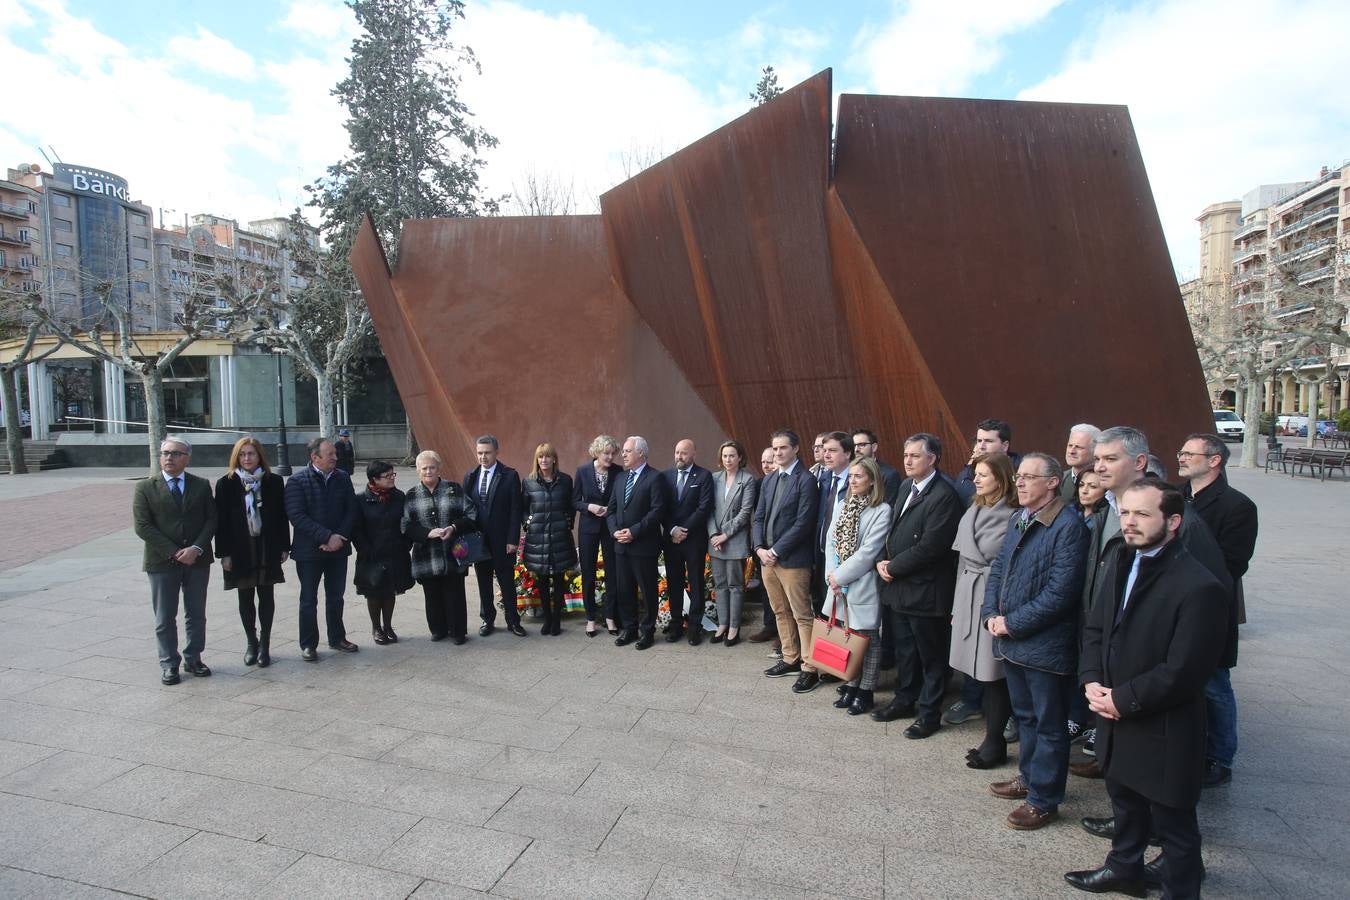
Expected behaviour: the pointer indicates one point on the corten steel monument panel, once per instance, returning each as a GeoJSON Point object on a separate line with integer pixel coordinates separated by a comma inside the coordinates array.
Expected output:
{"type": "Point", "coordinates": [965, 259]}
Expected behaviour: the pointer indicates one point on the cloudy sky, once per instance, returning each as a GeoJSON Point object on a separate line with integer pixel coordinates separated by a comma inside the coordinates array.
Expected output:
{"type": "Point", "coordinates": [225, 107]}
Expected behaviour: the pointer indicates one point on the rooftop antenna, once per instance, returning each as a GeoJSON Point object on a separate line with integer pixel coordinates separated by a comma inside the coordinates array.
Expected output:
{"type": "Point", "coordinates": [45, 156]}
{"type": "Point", "coordinates": [54, 153]}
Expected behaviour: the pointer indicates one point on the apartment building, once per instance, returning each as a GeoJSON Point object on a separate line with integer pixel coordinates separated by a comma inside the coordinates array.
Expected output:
{"type": "Point", "coordinates": [21, 255]}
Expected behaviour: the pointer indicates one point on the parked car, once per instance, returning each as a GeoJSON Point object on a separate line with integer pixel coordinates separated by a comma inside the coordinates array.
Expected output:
{"type": "Point", "coordinates": [1228, 425]}
{"type": "Point", "coordinates": [1324, 426]}
{"type": "Point", "coordinates": [1292, 424]}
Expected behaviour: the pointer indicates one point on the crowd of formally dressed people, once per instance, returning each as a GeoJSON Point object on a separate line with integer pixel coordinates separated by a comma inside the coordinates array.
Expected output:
{"type": "Point", "coordinates": [1084, 601]}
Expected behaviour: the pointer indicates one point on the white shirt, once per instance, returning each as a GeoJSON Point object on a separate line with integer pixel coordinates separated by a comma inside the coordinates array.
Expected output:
{"type": "Point", "coordinates": [917, 488]}
{"type": "Point", "coordinates": [1111, 499]}
{"type": "Point", "coordinates": [485, 477]}
{"type": "Point", "coordinates": [170, 479]}
{"type": "Point", "coordinates": [1134, 573]}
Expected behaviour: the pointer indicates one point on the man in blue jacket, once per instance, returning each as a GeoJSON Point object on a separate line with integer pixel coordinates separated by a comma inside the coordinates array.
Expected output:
{"type": "Point", "coordinates": [1031, 602]}
{"type": "Point", "coordinates": [321, 505]}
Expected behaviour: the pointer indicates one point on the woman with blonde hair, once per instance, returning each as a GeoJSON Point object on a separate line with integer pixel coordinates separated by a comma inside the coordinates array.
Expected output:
{"type": "Point", "coordinates": [253, 539]}
{"type": "Point", "coordinates": [979, 537]}
{"type": "Point", "coordinates": [549, 551]}
{"type": "Point", "coordinates": [591, 492]}
{"type": "Point", "coordinates": [435, 512]}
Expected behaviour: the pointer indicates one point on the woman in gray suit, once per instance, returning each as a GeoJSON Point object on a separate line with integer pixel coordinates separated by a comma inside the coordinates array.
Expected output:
{"type": "Point", "coordinates": [854, 541]}
{"type": "Point", "coordinates": [734, 493]}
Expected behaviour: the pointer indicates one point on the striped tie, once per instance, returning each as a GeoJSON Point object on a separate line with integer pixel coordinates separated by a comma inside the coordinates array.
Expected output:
{"type": "Point", "coordinates": [628, 487]}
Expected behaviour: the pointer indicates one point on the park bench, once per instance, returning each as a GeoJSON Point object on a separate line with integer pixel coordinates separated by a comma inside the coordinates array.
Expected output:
{"type": "Point", "coordinates": [1334, 439]}
{"type": "Point", "coordinates": [1318, 462]}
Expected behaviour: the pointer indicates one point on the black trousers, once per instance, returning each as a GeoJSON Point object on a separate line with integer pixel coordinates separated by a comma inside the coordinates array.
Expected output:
{"type": "Point", "coordinates": [1177, 830]}
{"type": "Point", "coordinates": [446, 606]}
{"type": "Point", "coordinates": [637, 574]}
{"type": "Point", "coordinates": [922, 647]}
{"type": "Point", "coordinates": [503, 567]}
{"type": "Point", "coordinates": [818, 583]}
{"type": "Point", "coordinates": [590, 545]}
{"type": "Point", "coordinates": [685, 563]}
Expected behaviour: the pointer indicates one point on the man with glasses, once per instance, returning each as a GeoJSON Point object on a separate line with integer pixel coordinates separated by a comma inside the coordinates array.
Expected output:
{"type": "Point", "coordinates": [321, 505]}
{"type": "Point", "coordinates": [175, 517]}
{"type": "Point", "coordinates": [1231, 516]}
{"type": "Point", "coordinates": [865, 443]}
{"type": "Point", "coordinates": [1031, 608]}
{"type": "Point", "coordinates": [818, 454]}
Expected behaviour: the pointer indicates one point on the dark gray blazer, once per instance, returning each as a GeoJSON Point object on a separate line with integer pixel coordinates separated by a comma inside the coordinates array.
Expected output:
{"type": "Point", "coordinates": [732, 513]}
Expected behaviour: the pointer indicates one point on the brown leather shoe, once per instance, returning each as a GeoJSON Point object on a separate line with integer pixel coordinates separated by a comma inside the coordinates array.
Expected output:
{"type": "Point", "coordinates": [1089, 769]}
{"type": "Point", "coordinates": [1028, 818]}
{"type": "Point", "coordinates": [1009, 790]}
{"type": "Point", "coordinates": [763, 635]}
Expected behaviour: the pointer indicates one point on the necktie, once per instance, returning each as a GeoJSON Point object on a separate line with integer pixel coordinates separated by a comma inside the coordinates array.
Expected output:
{"type": "Point", "coordinates": [679, 487]}
{"type": "Point", "coordinates": [482, 488]}
{"type": "Point", "coordinates": [176, 490]}
{"type": "Point", "coordinates": [829, 508]}
{"type": "Point", "coordinates": [913, 495]}
{"type": "Point", "coordinates": [628, 487]}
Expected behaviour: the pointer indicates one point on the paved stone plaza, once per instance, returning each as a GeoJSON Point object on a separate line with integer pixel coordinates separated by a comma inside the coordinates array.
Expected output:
{"type": "Point", "coordinates": [567, 767]}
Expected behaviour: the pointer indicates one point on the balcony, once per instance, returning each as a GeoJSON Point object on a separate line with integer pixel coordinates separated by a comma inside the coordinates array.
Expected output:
{"type": "Point", "coordinates": [7, 237]}
{"type": "Point", "coordinates": [1288, 311]}
{"type": "Point", "coordinates": [1251, 299]}
{"type": "Point", "coordinates": [1306, 251]}
{"type": "Point", "coordinates": [14, 212]}
{"type": "Point", "coordinates": [1244, 253]}
{"type": "Point", "coordinates": [1330, 176]}
{"type": "Point", "coordinates": [1249, 276]}
{"type": "Point", "coordinates": [1312, 218]}
{"type": "Point", "coordinates": [1245, 230]}
{"type": "Point", "coordinates": [1312, 276]}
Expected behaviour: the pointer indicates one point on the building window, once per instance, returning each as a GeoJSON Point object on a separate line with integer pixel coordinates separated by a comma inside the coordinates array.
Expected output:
{"type": "Point", "coordinates": [60, 199]}
{"type": "Point", "coordinates": [64, 250]}
{"type": "Point", "coordinates": [32, 207]}
{"type": "Point", "coordinates": [140, 243]}
{"type": "Point", "coordinates": [140, 264]}
{"type": "Point", "coordinates": [142, 287]}
{"type": "Point", "coordinates": [181, 255]}
{"type": "Point", "coordinates": [63, 225]}
{"type": "Point", "coordinates": [137, 219]}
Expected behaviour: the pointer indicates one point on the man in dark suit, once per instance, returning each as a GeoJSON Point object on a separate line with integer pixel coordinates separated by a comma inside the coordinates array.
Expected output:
{"type": "Point", "coordinates": [346, 453]}
{"type": "Point", "coordinates": [835, 456]}
{"type": "Point", "coordinates": [1148, 650]}
{"type": "Point", "coordinates": [865, 443]}
{"type": "Point", "coordinates": [495, 487]}
{"type": "Point", "coordinates": [1231, 516]}
{"type": "Point", "coordinates": [636, 511]}
{"type": "Point", "coordinates": [991, 436]}
{"type": "Point", "coordinates": [783, 535]}
{"type": "Point", "coordinates": [175, 517]}
{"type": "Point", "coordinates": [321, 505]}
{"type": "Point", "coordinates": [689, 502]}
{"type": "Point", "coordinates": [918, 581]}
{"type": "Point", "coordinates": [591, 491]}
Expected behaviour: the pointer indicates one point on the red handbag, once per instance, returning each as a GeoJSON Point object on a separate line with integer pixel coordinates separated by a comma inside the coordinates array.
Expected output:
{"type": "Point", "coordinates": [836, 649]}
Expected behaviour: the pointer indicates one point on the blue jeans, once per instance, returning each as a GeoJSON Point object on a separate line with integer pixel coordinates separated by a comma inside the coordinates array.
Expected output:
{"type": "Point", "coordinates": [1040, 703]}
{"type": "Point", "coordinates": [1221, 719]}
{"type": "Point", "coordinates": [333, 571]}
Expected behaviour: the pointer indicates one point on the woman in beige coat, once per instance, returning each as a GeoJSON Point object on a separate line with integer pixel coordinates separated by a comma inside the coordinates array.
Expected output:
{"type": "Point", "coordinates": [979, 538]}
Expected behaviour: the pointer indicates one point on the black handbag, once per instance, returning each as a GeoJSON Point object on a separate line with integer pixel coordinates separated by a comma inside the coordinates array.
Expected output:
{"type": "Point", "coordinates": [468, 549]}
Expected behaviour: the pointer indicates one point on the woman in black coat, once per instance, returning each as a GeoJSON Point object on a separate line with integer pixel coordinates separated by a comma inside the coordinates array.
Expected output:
{"type": "Point", "coordinates": [436, 513]}
{"type": "Point", "coordinates": [383, 568]}
{"type": "Point", "coordinates": [591, 490]}
{"type": "Point", "coordinates": [549, 550]}
{"type": "Point", "coordinates": [253, 539]}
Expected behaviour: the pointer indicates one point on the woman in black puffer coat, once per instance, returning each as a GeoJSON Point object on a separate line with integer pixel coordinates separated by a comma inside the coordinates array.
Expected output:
{"type": "Point", "coordinates": [550, 552]}
{"type": "Point", "coordinates": [383, 568]}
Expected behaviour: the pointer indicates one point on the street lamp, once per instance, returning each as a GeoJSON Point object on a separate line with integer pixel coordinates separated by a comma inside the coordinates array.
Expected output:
{"type": "Point", "coordinates": [283, 466]}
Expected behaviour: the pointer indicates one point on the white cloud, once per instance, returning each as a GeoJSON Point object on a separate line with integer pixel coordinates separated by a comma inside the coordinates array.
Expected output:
{"type": "Point", "coordinates": [1224, 95]}
{"type": "Point", "coordinates": [320, 21]}
{"type": "Point", "coordinates": [937, 47]}
{"type": "Point", "coordinates": [212, 53]}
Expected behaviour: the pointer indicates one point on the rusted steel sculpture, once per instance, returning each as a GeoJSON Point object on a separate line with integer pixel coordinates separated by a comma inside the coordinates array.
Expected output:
{"type": "Point", "coordinates": [963, 259]}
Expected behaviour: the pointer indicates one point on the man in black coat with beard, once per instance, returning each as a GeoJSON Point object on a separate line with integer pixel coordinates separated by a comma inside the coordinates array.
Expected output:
{"type": "Point", "coordinates": [1148, 651]}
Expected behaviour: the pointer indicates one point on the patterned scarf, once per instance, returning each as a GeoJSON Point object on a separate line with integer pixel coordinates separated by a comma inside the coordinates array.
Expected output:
{"type": "Point", "coordinates": [252, 483]}
{"type": "Point", "coordinates": [846, 529]}
{"type": "Point", "coordinates": [378, 492]}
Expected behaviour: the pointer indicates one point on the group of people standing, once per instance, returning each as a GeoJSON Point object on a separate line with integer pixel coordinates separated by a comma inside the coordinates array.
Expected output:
{"type": "Point", "coordinates": [1086, 601]}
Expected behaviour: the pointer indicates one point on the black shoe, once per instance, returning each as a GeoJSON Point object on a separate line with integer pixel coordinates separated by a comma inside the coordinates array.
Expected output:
{"type": "Point", "coordinates": [781, 669]}
{"type": "Point", "coordinates": [674, 634]}
{"type": "Point", "coordinates": [485, 629]}
{"type": "Point", "coordinates": [345, 646]}
{"type": "Point", "coordinates": [716, 638]}
{"type": "Point", "coordinates": [862, 702]}
{"type": "Point", "coordinates": [695, 636]}
{"type": "Point", "coordinates": [1103, 827]}
{"type": "Point", "coordinates": [438, 637]}
{"type": "Point", "coordinates": [264, 654]}
{"type": "Point", "coordinates": [827, 678]}
{"type": "Point", "coordinates": [976, 761]}
{"type": "Point", "coordinates": [1153, 872]}
{"type": "Point", "coordinates": [892, 711]}
{"type": "Point", "coordinates": [251, 651]}
{"type": "Point", "coordinates": [460, 640]}
{"type": "Point", "coordinates": [1215, 774]}
{"type": "Point", "coordinates": [380, 640]}
{"type": "Point", "coordinates": [644, 642]}
{"type": "Point", "coordinates": [921, 729]}
{"type": "Point", "coordinates": [309, 654]}
{"type": "Point", "coordinates": [1105, 880]}
{"type": "Point", "coordinates": [390, 636]}
{"type": "Point", "coordinates": [196, 668]}
{"type": "Point", "coordinates": [732, 642]}
{"type": "Point", "coordinates": [169, 676]}
{"type": "Point", "coordinates": [846, 694]}
{"type": "Point", "coordinates": [517, 629]}
{"type": "Point", "coordinates": [806, 683]}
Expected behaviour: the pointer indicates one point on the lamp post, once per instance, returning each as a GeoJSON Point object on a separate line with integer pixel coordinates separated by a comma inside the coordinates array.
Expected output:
{"type": "Point", "coordinates": [283, 466]}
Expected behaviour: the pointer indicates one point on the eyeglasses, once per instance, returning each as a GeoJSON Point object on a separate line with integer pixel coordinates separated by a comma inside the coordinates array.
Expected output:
{"type": "Point", "coordinates": [1187, 454]}
{"type": "Point", "coordinates": [389, 475]}
{"type": "Point", "coordinates": [174, 453]}
{"type": "Point", "coordinates": [1023, 477]}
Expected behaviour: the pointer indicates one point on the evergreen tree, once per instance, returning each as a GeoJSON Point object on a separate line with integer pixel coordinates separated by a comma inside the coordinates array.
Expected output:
{"type": "Point", "coordinates": [767, 88]}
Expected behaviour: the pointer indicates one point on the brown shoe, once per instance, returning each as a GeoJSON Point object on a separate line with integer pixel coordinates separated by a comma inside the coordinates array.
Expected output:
{"type": "Point", "coordinates": [1089, 769]}
{"type": "Point", "coordinates": [1028, 818]}
{"type": "Point", "coordinates": [1009, 790]}
{"type": "Point", "coordinates": [763, 635]}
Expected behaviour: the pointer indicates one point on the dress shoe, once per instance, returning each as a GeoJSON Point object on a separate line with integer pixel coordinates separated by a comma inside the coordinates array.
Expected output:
{"type": "Point", "coordinates": [862, 702]}
{"type": "Point", "coordinates": [733, 641]}
{"type": "Point", "coordinates": [976, 761]}
{"type": "Point", "coordinates": [846, 694]}
{"type": "Point", "coordinates": [892, 711]}
{"type": "Point", "coordinates": [644, 642]}
{"type": "Point", "coordinates": [378, 637]}
{"type": "Point", "coordinates": [716, 637]}
{"type": "Point", "coordinates": [1215, 774]}
{"type": "Point", "coordinates": [806, 683]}
{"type": "Point", "coordinates": [1153, 872]}
{"type": "Point", "coordinates": [251, 651]}
{"type": "Point", "coordinates": [1089, 769]}
{"type": "Point", "coordinates": [624, 639]}
{"type": "Point", "coordinates": [782, 669]}
{"type": "Point", "coordinates": [438, 637]}
{"type": "Point", "coordinates": [517, 629]}
{"type": "Point", "coordinates": [1012, 789]}
{"type": "Point", "coordinates": [459, 640]}
{"type": "Point", "coordinates": [264, 654]}
{"type": "Point", "coordinates": [843, 689]}
{"type": "Point", "coordinates": [485, 629]}
{"type": "Point", "coordinates": [197, 668]}
{"type": "Point", "coordinates": [763, 635]}
{"type": "Point", "coordinates": [390, 636]}
{"type": "Point", "coordinates": [920, 729]}
{"type": "Point", "coordinates": [1102, 827]}
{"type": "Point", "coordinates": [169, 676]}
{"type": "Point", "coordinates": [309, 654]}
{"type": "Point", "coordinates": [695, 636]}
{"type": "Point", "coordinates": [674, 634]}
{"type": "Point", "coordinates": [1029, 818]}
{"type": "Point", "coordinates": [345, 646]}
{"type": "Point", "coordinates": [827, 678]}
{"type": "Point", "coordinates": [1105, 880]}
{"type": "Point", "coordinates": [613, 631]}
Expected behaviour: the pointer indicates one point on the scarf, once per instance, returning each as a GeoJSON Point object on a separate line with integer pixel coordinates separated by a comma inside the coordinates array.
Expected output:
{"type": "Point", "coordinates": [379, 493]}
{"type": "Point", "coordinates": [252, 484]}
{"type": "Point", "coordinates": [846, 529]}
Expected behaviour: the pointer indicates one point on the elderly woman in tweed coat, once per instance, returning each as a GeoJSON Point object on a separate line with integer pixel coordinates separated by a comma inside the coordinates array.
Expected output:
{"type": "Point", "coordinates": [436, 512]}
{"type": "Point", "coordinates": [979, 537]}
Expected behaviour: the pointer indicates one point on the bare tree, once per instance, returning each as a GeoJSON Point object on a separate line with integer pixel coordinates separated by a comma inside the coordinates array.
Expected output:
{"type": "Point", "coordinates": [1317, 314]}
{"type": "Point", "coordinates": [638, 157]}
{"type": "Point", "coordinates": [543, 195]}
{"type": "Point", "coordinates": [19, 315]}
